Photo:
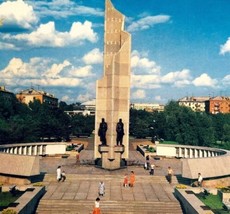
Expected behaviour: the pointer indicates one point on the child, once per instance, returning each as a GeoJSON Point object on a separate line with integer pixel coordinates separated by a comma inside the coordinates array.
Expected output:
{"type": "Point", "coordinates": [152, 169]}
{"type": "Point", "coordinates": [126, 181]}
{"type": "Point", "coordinates": [101, 189]}
{"type": "Point", "coordinates": [63, 176]}
{"type": "Point", "coordinates": [96, 209]}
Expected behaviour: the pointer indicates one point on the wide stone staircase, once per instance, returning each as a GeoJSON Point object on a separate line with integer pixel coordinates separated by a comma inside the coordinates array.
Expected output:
{"type": "Point", "coordinates": [151, 194]}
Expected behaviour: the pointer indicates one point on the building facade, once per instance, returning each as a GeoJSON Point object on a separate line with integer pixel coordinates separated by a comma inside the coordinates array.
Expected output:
{"type": "Point", "coordinates": [219, 104]}
{"type": "Point", "coordinates": [149, 107]}
{"type": "Point", "coordinates": [197, 104]}
{"type": "Point", "coordinates": [30, 95]}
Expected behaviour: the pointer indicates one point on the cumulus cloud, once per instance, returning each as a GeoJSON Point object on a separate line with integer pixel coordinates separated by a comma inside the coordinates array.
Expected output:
{"type": "Point", "coordinates": [7, 46]}
{"type": "Point", "coordinates": [147, 22]}
{"type": "Point", "coordinates": [177, 78]}
{"type": "Point", "coordinates": [17, 15]}
{"type": "Point", "coordinates": [56, 69]}
{"type": "Point", "coordinates": [42, 72]}
{"type": "Point", "coordinates": [225, 48]}
{"type": "Point", "coordinates": [47, 36]}
{"type": "Point", "coordinates": [93, 57]}
{"type": "Point", "coordinates": [143, 65]}
{"type": "Point", "coordinates": [226, 80]}
{"type": "Point", "coordinates": [138, 94]}
{"type": "Point", "coordinates": [81, 72]}
{"type": "Point", "coordinates": [64, 8]}
{"type": "Point", "coordinates": [145, 81]}
{"type": "Point", "coordinates": [204, 80]}
{"type": "Point", "coordinates": [85, 97]}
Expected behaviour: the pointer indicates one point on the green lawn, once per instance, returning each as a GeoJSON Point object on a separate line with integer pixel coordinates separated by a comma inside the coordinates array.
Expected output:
{"type": "Point", "coordinates": [6, 198]}
{"type": "Point", "coordinates": [214, 202]}
{"type": "Point", "coordinates": [168, 142]}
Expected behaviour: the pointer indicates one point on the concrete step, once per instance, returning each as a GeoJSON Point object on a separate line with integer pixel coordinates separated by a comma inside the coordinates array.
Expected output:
{"type": "Point", "coordinates": [110, 207]}
{"type": "Point", "coordinates": [76, 177]}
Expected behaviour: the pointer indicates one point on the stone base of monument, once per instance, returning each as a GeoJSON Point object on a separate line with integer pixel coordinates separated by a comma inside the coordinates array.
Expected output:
{"type": "Point", "coordinates": [111, 158]}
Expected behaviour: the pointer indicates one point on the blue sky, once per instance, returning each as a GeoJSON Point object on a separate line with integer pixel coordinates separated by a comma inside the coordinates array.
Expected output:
{"type": "Point", "coordinates": [179, 48]}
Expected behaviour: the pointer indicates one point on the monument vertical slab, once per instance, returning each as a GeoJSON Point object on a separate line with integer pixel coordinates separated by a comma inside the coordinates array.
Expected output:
{"type": "Point", "coordinates": [113, 90]}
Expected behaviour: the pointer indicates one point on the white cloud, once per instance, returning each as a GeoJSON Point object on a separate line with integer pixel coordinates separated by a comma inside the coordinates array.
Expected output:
{"type": "Point", "coordinates": [142, 65]}
{"type": "Point", "coordinates": [17, 13]}
{"type": "Point", "coordinates": [17, 68]}
{"type": "Point", "coordinates": [65, 98]}
{"type": "Point", "coordinates": [47, 36]}
{"type": "Point", "coordinates": [204, 80]}
{"type": "Point", "coordinates": [145, 81]}
{"type": "Point", "coordinates": [85, 97]}
{"type": "Point", "coordinates": [64, 8]}
{"type": "Point", "coordinates": [93, 57]}
{"type": "Point", "coordinates": [158, 98]}
{"type": "Point", "coordinates": [147, 22]}
{"type": "Point", "coordinates": [56, 69]}
{"type": "Point", "coordinates": [81, 72]}
{"type": "Point", "coordinates": [177, 78]}
{"type": "Point", "coordinates": [42, 72]}
{"type": "Point", "coordinates": [138, 94]}
{"type": "Point", "coordinates": [225, 48]}
{"type": "Point", "coordinates": [7, 46]}
{"type": "Point", "coordinates": [226, 80]}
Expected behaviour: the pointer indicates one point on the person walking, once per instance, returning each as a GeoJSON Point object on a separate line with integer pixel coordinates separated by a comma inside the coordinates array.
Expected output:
{"type": "Point", "coordinates": [126, 181]}
{"type": "Point", "coordinates": [132, 179]}
{"type": "Point", "coordinates": [96, 209]}
{"type": "Point", "coordinates": [199, 180]}
{"type": "Point", "coordinates": [152, 169]}
{"type": "Point", "coordinates": [63, 176]}
{"type": "Point", "coordinates": [101, 188]}
{"type": "Point", "coordinates": [170, 174]}
{"type": "Point", "coordinates": [58, 173]}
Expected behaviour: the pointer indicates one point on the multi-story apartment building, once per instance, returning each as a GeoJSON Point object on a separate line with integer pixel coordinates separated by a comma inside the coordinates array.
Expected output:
{"type": "Point", "coordinates": [219, 104]}
{"type": "Point", "coordinates": [4, 94]}
{"type": "Point", "coordinates": [198, 104]}
{"type": "Point", "coordinates": [150, 107]}
{"type": "Point", "coordinates": [29, 95]}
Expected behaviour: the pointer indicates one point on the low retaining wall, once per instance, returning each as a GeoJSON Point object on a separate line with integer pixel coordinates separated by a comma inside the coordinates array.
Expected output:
{"type": "Point", "coordinates": [28, 202]}
{"type": "Point", "coordinates": [190, 203]}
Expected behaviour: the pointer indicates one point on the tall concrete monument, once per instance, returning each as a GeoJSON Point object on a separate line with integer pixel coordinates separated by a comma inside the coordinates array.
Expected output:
{"type": "Point", "coordinates": [111, 147]}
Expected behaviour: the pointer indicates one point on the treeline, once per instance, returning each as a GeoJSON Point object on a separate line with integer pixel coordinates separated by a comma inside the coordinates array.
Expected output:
{"type": "Point", "coordinates": [182, 125]}
{"type": "Point", "coordinates": [38, 122]}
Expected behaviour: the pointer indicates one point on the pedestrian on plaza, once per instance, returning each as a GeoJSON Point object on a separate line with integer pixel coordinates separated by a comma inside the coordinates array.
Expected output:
{"type": "Point", "coordinates": [199, 180]}
{"type": "Point", "coordinates": [126, 181]}
{"type": "Point", "coordinates": [170, 174]}
{"type": "Point", "coordinates": [101, 188]}
{"type": "Point", "coordinates": [96, 209]}
{"type": "Point", "coordinates": [132, 179]}
{"type": "Point", "coordinates": [58, 173]}
{"type": "Point", "coordinates": [63, 176]}
{"type": "Point", "coordinates": [151, 172]}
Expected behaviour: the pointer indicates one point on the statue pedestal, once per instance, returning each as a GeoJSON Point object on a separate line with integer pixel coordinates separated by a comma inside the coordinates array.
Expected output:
{"type": "Point", "coordinates": [109, 161]}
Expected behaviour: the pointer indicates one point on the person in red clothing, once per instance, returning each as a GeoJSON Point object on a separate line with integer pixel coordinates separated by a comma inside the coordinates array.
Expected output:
{"type": "Point", "coordinates": [96, 209]}
{"type": "Point", "coordinates": [126, 181]}
{"type": "Point", "coordinates": [132, 179]}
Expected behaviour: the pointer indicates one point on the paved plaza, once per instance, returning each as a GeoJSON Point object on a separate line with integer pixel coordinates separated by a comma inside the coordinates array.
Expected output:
{"type": "Point", "coordinates": [151, 194]}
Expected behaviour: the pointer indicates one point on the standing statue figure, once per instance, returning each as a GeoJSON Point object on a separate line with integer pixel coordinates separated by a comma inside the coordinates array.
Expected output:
{"type": "Point", "coordinates": [120, 132]}
{"type": "Point", "coordinates": [102, 131]}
